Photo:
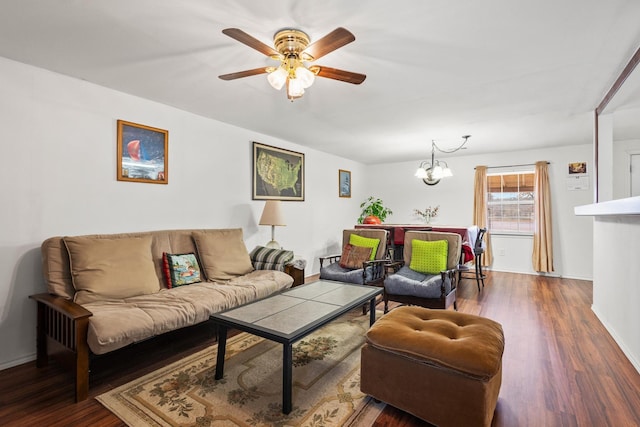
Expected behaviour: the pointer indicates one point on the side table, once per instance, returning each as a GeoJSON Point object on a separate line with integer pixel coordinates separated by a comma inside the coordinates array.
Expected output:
{"type": "Point", "coordinates": [295, 269]}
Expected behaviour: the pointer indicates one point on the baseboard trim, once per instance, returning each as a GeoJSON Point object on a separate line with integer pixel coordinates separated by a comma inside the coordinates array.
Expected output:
{"type": "Point", "coordinates": [21, 361]}
{"type": "Point", "coordinates": [627, 352]}
{"type": "Point", "coordinates": [533, 273]}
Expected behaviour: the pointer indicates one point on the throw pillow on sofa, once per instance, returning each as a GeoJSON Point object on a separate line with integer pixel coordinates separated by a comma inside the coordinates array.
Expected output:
{"type": "Point", "coordinates": [264, 258]}
{"type": "Point", "coordinates": [222, 253]}
{"type": "Point", "coordinates": [103, 268]}
{"type": "Point", "coordinates": [180, 269]}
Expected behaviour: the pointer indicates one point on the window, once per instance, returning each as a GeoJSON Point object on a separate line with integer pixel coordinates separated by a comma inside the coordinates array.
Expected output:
{"type": "Point", "coordinates": [510, 202]}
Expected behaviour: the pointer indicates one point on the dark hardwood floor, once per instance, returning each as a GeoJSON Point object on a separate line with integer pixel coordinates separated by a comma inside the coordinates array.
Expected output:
{"type": "Point", "coordinates": [560, 366]}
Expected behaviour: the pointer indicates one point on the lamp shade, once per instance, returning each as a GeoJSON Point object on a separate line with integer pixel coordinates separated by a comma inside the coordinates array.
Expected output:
{"type": "Point", "coordinates": [272, 214]}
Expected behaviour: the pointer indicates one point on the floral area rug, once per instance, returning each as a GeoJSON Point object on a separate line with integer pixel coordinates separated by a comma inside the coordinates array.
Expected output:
{"type": "Point", "coordinates": [326, 384]}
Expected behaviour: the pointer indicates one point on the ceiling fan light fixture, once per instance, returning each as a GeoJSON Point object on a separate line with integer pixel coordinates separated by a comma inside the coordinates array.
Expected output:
{"type": "Point", "coordinates": [295, 89]}
{"type": "Point", "coordinates": [292, 48]}
{"type": "Point", "coordinates": [277, 78]}
{"type": "Point", "coordinates": [305, 76]}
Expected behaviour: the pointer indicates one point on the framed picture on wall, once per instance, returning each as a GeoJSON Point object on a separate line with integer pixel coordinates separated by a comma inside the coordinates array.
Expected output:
{"type": "Point", "coordinates": [577, 168]}
{"type": "Point", "coordinates": [344, 183]}
{"type": "Point", "coordinates": [142, 153]}
{"type": "Point", "coordinates": [278, 174]}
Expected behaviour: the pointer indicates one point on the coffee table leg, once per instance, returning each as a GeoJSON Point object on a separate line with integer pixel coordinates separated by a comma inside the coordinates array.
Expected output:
{"type": "Point", "coordinates": [222, 348]}
{"type": "Point", "coordinates": [372, 311]}
{"type": "Point", "coordinates": [287, 377]}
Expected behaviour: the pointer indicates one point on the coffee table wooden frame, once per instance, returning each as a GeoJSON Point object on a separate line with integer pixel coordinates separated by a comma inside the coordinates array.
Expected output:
{"type": "Point", "coordinates": [225, 322]}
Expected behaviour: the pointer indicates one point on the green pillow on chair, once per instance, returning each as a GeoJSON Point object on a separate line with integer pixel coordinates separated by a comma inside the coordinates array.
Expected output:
{"type": "Point", "coordinates": [429, 257]}
{"type": "Point", "coordinates": [365, 242]}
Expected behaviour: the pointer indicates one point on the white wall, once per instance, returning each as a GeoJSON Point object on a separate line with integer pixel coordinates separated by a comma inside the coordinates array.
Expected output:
{"type": "Point", "coordinates": [402, 192]}
{"type": "Point", "coordinates": [58, 175]}
{"type": "Point", "coordinates": [616, 283]}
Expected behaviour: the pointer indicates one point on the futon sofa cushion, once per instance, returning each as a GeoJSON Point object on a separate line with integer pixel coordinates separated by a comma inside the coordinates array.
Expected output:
{"type": "Point", "coordinates": [223, 253]}
{"type": "Point", "coordinates": [111, 268]}
{"type": "Point", "coordinates": [121, 319]}
{"type": "Point", "coordinates": [118, 323]}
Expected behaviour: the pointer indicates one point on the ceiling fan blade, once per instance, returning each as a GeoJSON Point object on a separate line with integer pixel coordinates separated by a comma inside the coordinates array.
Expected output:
{"type": "Point", "coordinates": [246, 73]}
{"type": "Point", "coordinates": [332, 41]}
{"type": "Point", "coordinates": [336, 74]}
{"type": "Point", "coordinates": [250, 41]}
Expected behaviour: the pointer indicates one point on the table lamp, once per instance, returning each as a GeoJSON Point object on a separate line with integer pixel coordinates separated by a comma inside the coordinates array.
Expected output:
{"type": "Point", "coordinates": [272, 215]}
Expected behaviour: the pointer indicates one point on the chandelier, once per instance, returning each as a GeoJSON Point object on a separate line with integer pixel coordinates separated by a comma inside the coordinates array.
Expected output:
{"type": "Point", "coordinates": [431, 172]}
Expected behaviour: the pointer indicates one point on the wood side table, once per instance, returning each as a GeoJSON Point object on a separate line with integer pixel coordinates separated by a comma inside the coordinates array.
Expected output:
{"type": "Point", "coordinates": [296, 273]}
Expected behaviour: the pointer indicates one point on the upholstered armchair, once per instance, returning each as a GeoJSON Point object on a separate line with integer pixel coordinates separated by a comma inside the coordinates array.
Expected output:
{"type": "Point", "coordinates": [427, 275]}
{"type": "Point", "coordinates": [362, 260]}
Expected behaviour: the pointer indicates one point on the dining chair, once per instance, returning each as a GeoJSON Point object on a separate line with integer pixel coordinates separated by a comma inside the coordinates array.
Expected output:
{"type": "Point", "coordinates": [478, 251]}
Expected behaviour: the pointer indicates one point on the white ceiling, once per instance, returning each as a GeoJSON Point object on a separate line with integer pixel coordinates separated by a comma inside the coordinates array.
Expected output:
{"type": "Point", "coordinates": [514, 74]}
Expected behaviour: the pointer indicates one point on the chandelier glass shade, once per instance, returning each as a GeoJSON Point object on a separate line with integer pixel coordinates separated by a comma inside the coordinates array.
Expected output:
{"type": "Point", "coordinates": [431, 172]}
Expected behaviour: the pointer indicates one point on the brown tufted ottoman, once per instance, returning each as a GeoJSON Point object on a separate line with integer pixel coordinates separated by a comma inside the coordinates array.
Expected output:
{"type": "Point", "coordinates": [442, 366]}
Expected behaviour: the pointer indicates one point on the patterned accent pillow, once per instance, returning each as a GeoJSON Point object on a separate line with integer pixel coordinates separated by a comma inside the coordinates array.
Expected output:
{"type": "Point", "coordinates": [366, 242]}
{"type": "Point", "coordinates": [264, 258]}
{"type": "Point", "coordinates": [353, 256]}
{"type": "Point", "coordinates": [429, 257]}
{"type": "Point", "coordinates": [180, 269]}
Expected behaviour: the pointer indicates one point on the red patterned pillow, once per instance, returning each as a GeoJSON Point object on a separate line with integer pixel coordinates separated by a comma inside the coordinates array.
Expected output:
{"type": "Point", "coordinates": [353, 256]}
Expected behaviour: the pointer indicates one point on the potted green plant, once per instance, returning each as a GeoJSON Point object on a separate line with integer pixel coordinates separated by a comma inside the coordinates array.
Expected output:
{"type": "Point", "coordinates": [373, 211]}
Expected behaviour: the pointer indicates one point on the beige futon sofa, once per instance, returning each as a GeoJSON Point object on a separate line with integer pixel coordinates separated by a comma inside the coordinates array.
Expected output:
{"type": "Point", "coordinates": [106, 292]}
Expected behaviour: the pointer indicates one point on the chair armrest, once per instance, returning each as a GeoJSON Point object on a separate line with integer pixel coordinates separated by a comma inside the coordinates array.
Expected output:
{"type": "Point", "coordinates": [330, 258]}
{"type": "Point", "coordinates": [394, 266]}
{"type": "Point", "coordinates": [378, 269]}
{"type": "Point", "coordinates": [451, 274]}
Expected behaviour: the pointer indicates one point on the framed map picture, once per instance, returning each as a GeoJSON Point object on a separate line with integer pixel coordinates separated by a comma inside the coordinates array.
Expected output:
{"type": "Point", "coordinates": [142, 153]}
{"type": "Point", "coordinates": [344, 183]}
{"type": "Point", "coordinates": [278, 174]}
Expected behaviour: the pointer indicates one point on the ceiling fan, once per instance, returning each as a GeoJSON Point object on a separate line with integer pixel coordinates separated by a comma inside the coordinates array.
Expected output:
{"type": "Point", "coordinates": [292, 48]}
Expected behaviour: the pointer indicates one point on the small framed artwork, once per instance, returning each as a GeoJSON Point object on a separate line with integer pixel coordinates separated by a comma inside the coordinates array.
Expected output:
{"type": "Point", "coordinates": [578, 168]}
{"type": "Point", "coordinates": [142, 153]}
{"type": "Point", "coordinates": [344, 183]}
{"type": "Point", "coordinates": [278, 174]}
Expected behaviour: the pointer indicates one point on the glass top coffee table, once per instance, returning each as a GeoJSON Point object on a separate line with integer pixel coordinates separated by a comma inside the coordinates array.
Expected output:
{"type": "Point", "coordinates": [291, 315]}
